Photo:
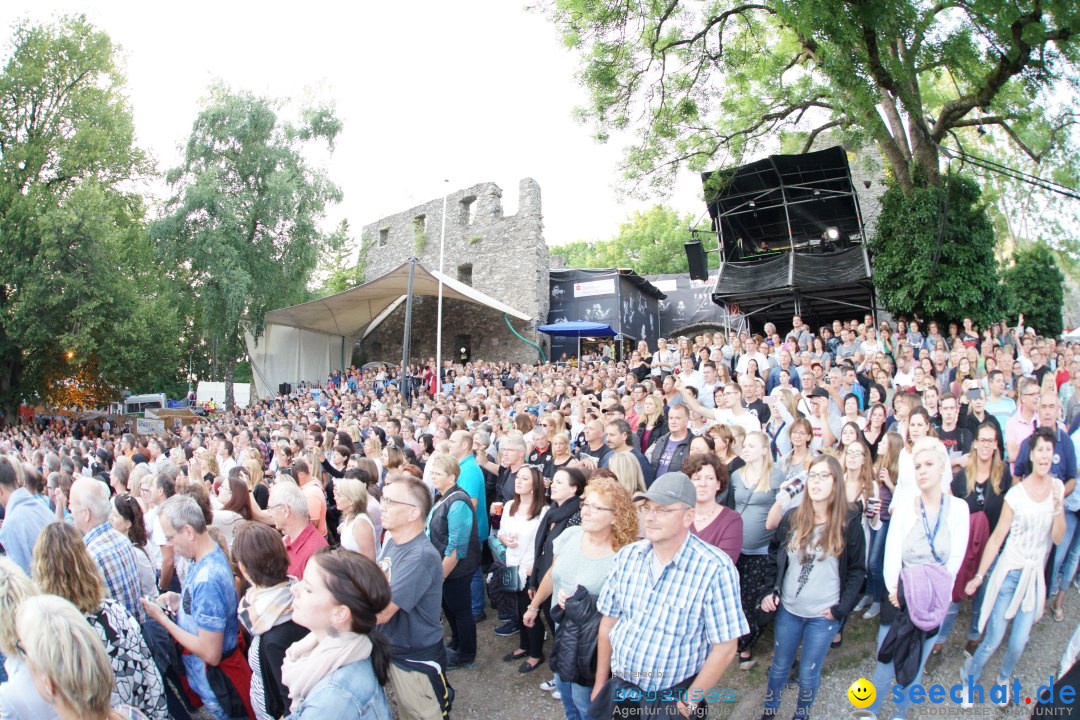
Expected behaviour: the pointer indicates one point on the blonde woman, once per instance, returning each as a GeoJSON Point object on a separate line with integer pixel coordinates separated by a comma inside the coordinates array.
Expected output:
{"type": "Point", "coordinates": [67, 662]}
{"type": "Point", "coordinates": [357, 531]}
{"type": "Point", "coordinates": [753, 492]}
{"type": "Point", "coordinates": [256, 481]}
{"type": "Point", "coordinates": [139, 478]}
{"type": "Point", "coordinates": [63, 566]}
{"type": "Point", "coordinates": [18, 696]}
{"type": "Point", "coordinates": [626, 468]}
{"type": "Point", "coordinates": [651, 423]}
{"type": "Point", "coordinates": [373, 450]}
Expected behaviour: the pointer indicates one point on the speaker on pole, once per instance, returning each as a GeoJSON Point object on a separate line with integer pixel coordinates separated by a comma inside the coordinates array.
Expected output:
{"type": "Point", "coordinates": [695, 255]}
{"type": "Point", "coordinates": [284, 389]}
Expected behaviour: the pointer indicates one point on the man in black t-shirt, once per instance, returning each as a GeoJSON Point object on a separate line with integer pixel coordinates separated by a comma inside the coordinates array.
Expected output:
{"type": "Point", "coordinates": [957, 440]}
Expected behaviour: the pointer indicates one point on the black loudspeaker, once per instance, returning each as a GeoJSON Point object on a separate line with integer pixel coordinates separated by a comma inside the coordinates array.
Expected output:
{"type": "Point", "coordinates": [699, 265]}
{"type": "Point", "coordinates": [284, 389]}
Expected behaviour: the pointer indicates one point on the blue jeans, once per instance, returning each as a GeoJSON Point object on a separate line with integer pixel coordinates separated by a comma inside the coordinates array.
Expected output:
{"type": "Point", "coordinates": [885, 673]}
{"type": "Point", "coordinates": [1062, 573]}
{"type": "Point", "coordinates": [875, 563]}
{"type": "Point", "coordinates": [976, 611]}
{"type": "Point", "coordinates": [575, 699]}
{"type": "Point", "coordinates": [478, 597]}
{"type": "Point", "coordinates": [791, 631]}
{"type": "Point", "coordinates": [995, 633]}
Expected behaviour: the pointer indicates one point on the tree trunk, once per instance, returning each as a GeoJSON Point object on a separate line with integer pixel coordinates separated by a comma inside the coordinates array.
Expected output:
{"type": "Point", "coordinates": [230, 368]}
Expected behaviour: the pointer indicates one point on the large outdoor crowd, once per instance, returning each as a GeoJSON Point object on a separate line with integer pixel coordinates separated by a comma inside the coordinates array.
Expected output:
{"type": "Point", "coordinates": [637, 523]}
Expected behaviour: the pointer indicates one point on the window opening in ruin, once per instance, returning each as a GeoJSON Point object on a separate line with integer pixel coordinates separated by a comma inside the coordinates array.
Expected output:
{"type": "Point", "coordinates": [384, 236]}
{"type": "Point", "coordinates": [464, 273]}
{"type": "Point", "coordinates": [468, 210]}
{"type": "Point", "coordinates": [420, 224]}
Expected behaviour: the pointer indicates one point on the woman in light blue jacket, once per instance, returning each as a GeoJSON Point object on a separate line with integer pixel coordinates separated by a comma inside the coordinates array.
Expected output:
{"type": "Point", "coordinates": [338, 671]}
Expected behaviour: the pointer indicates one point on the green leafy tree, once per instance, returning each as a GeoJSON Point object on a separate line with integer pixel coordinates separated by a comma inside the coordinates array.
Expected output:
{"type": "Point", "coordinates": [1035, 286]}
{"type": "Point", "coordinates": [650, 242]}
{"type": "Point", "coordinates": [337, 270]}
{"type": "Point", "coordinates": [242, 227]}
{"type": "Point", "coordinates": [707, 82]}
{"type": "Point", "coordinates": [932, 251]}
{"type": "Point", "coordinates": [80, 303]}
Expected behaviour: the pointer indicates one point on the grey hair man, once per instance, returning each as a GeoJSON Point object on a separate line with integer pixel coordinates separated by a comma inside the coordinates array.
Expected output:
{"type": "Point", "coordinates": [288, 508]}
{"type": "Point", "coordinates": [205, 622]}
{"type": "Point", "coordinates": [90, 507]}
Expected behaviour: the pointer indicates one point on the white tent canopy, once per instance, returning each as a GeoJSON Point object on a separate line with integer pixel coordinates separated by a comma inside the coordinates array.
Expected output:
{"type": "Point", "coordinates": [307, 342]}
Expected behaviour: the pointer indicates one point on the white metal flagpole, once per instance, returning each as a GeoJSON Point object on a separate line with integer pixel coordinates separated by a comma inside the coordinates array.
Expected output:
{"type": "Point", "coordinates": [438, 322]}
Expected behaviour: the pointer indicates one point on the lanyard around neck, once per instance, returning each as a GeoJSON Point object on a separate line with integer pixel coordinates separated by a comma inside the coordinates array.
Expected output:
{"type": "Point", "coordinates": [930, 537]}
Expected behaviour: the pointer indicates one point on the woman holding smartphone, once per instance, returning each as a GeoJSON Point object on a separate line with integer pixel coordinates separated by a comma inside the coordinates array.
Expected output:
{"type": "Point", "coordinates": [817, 565]}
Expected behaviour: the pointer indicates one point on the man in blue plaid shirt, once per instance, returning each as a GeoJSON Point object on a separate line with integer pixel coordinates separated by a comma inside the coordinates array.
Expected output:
{"type": "Point", "coordinates": [90, 507]}
{"type": "Point", "coordinates": [671, 611]}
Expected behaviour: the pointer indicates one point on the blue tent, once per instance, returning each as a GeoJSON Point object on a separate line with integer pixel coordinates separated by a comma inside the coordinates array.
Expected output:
{"type": "Point", "coordinates": [578, 329]}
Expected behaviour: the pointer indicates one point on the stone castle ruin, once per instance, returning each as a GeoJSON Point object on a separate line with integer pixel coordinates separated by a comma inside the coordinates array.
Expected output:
{"type": "Point", "coordinates": [502, 256]}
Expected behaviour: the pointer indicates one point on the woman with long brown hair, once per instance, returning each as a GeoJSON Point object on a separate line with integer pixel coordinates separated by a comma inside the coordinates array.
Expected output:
{"type": "Point", "coordinates": [817, 565]}
{"type": "Point", "coordinates": [983, 484]}
{"type": "Point", "coordinates": [520, 522]}
{"type": "Point", "coordinates": [127, 519]}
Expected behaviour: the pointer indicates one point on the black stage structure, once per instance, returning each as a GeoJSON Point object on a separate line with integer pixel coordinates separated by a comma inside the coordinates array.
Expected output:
{"type": "Point", "coordinates": [791, 239]}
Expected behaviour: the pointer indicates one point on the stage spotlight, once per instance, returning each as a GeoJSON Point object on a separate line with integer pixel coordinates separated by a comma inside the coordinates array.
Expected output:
{"type": "Point", "coordinates": [831, 234]}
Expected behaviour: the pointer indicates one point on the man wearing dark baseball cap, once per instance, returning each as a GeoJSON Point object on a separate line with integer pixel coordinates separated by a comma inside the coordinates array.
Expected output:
{"type": "Point", "coordinates": [670, 604]}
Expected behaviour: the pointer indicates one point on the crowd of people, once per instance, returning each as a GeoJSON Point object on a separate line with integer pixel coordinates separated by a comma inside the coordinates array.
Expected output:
{"type": "Point", "coordinates": [637, 524]}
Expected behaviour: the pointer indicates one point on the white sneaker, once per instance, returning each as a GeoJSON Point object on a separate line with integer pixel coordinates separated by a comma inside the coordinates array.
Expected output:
{"type": "Point", "coordinates": [873, 611]}
{"type": "Point", "coordinates": [556, 694]}
{"type": "Point", "coordinates": [548, 685]}
{"type": "Point", "coordinates": [863, 603]}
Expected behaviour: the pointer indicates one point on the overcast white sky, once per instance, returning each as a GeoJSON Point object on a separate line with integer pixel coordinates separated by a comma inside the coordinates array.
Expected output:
{"type": "Point", "coordinates": [470, 91]}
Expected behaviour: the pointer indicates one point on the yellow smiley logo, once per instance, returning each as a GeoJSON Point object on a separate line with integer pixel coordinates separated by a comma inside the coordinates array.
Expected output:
{"type": "Point", "coordinates": [862, 693]}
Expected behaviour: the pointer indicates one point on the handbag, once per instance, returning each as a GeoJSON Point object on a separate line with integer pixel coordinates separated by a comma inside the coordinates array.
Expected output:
{"type": "Point", "coordinates": [510, 579]}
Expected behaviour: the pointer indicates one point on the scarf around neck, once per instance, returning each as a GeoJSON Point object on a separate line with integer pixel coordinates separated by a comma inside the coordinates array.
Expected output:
{"type": "Point", "coordinates": [310, 659]}
{"type": "Point", "coordinates": [264, 608]}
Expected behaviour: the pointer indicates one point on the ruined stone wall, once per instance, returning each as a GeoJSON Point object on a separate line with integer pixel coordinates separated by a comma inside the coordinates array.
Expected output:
{"type": "Point", "coordinates": [504, 257]}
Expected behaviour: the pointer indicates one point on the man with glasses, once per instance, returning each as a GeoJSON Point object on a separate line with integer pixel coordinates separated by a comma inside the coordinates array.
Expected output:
{"type": "Point", "coordinates": [411, 621]}
{"type": "Point", "coordinates": [670, 612]}
{"type": "Point", "coordinates": [288, 508]}
{"type": "Point", "coordinates": [205, 624]}
{"type": "Point", "coordinates": [1064, 468]}
{"type": "Point", "coordinates": [1019, 427]}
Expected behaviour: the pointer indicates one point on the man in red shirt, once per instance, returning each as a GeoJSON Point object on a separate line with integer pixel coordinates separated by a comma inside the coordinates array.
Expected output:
{"type": "Point", "coordinates": [289, 508]}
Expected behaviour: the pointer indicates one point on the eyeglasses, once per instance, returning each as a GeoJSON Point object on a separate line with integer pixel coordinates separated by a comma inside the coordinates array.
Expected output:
{"type": "Point", "coordinates": [390, 501]}
{"type": "Point", "coordinates": [819, 476]}
{"type": "Point", "coordinates": [593, 507]}
{"type": "Point", "coordinates": [646, 511]}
